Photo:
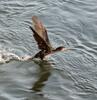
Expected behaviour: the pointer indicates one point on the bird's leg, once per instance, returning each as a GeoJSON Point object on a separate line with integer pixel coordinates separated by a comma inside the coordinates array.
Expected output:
{"type": "Point", "coordinates": [38, 54]}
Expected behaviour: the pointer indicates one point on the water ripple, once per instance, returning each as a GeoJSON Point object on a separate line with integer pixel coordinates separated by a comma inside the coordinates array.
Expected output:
{"type": "Point", "coordinates": [70, 75]}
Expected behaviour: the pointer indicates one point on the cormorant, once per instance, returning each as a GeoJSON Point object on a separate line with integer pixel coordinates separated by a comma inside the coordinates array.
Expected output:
{"type": "Point", "coordinates": [41, 37]}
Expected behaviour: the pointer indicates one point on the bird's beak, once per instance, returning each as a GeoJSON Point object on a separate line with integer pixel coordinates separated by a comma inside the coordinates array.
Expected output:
{"type": "Point", "coordinates": [66, 49]}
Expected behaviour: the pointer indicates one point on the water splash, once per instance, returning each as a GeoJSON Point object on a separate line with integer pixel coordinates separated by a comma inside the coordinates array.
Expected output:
{"type": "Point", "coordinates": [6, 56]}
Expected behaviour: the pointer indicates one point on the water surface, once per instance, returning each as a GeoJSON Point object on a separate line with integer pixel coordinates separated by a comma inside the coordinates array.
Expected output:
{"type": "Point", "coordinates": [68, 75]}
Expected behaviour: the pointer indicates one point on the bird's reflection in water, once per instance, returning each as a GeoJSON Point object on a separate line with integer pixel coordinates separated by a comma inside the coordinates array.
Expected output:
{"type": "Point", "coordinates": [45, 72]}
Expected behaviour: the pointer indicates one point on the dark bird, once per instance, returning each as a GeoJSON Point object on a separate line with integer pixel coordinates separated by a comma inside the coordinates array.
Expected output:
{"type": "Point", "coordinates": [41, 37]}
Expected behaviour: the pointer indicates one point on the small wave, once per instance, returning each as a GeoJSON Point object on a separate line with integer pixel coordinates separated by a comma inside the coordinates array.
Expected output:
{"type": "Point", "coordinates": [6, 56]}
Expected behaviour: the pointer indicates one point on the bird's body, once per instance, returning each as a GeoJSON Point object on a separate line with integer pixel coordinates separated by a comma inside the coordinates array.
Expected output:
{"type": "Point", "coordinates": [41, 37]}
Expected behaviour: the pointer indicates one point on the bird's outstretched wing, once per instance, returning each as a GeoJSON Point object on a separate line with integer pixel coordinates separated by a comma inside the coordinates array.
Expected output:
{"type": "Point", "coordinates": [41, 43]}
{"type": "Point", "coordinates": [40, 34]}
{"type": "Point", "coordinates": [40, 29]}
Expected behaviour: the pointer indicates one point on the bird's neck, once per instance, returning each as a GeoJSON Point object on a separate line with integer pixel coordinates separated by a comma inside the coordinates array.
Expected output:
{"type": "Point", "coordinates": [55, 50]}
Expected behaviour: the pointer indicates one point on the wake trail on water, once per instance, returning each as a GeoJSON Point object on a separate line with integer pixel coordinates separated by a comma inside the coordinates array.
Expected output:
{"type": "Point", "coordinates": [6, 56]}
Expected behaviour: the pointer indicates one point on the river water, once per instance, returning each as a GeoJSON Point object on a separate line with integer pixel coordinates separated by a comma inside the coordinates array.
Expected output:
{"type": "Point", "coordinates": [70, 75]}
